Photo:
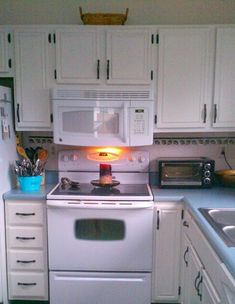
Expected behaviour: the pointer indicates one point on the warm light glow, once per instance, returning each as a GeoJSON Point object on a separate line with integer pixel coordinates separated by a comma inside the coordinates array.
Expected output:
{"type": "Point", "coordinates": [107, 154]}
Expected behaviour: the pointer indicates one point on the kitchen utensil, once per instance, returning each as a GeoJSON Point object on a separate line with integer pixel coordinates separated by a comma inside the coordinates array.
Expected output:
{"type": "Point", "coordinates": [68, 182]}
{"type": "Point", "coordinates": [42, 154]}
{"type": "Point", "coordinates": [22, 152]}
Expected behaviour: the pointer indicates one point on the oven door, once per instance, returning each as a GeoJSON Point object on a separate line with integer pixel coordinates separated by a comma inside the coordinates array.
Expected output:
{"type": "Point", "coordinates": [91, 122]}
{"type": "Point", "coordinates": [111, 237]}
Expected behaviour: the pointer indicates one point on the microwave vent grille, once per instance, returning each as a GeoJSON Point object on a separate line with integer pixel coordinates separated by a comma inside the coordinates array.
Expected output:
{"type": "Point", "coordinates": [100, 94]}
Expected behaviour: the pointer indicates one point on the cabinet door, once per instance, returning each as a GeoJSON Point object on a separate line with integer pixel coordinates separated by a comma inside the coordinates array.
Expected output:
{"type": "Point", "coordinates": [4, 57]}
{"type": "Point", "coordinates": [166, 252]}
{"type": "Point", "coordinates": [32, 82]}
{"type": "Point", "coordinates": [184, 77]}
{"type": "Point", "coordinates": [224, 102]}
{"type": "Point", "coordinates": [129, 56]}
{"type": "Point", "coordinates": [78, 56]}
{"type": "Point", "coordinates": [209, 294]}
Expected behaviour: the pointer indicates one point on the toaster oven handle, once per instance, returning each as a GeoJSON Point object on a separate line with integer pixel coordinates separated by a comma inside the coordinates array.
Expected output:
{"type": "Point", "coordinates": [108, 205]}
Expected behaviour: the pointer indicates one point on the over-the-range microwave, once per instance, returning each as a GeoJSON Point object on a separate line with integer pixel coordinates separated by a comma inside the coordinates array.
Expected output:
{"type": "Point", "coordinates": [102, 118]}
{"type": "Point", "coordinates": [186, 172]}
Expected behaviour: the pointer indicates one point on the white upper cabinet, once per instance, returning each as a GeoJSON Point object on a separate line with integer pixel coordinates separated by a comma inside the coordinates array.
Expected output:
{"type": "Point", "coordinates": [78, 56]}
{"type": "Point", "coordinates": [98, 55]}
{"type": "Point", "coordinates": [129, 56]}
{"type": "Point", "coordinates": [32, 82]}
{"type": "Point", "coordinates": [5, 52]}
{"type": "Point", "coordinates": [224, 98]}
{"type": "Point", "coordinates": [184, 79]}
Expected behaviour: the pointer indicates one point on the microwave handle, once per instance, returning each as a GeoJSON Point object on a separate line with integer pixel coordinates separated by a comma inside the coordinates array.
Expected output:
{"type": "Point", "coordinates": [126, 121]}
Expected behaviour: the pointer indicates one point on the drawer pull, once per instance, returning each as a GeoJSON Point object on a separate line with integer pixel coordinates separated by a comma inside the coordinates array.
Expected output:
{"type": "Point", "coordinates": [26, 284]}
{"type": "Point", "coordinates": [25, 238]}
{"type": "Point", "coordinates": [25, 214]}
{"type": "Point", "coordinates": [26, 262]}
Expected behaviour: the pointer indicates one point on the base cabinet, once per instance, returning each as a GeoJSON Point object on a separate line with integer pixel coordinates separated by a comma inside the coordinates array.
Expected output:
{"type": "Point", "coordinates": [166, 271]}
{"type": "Point", "coordinates": [26, 243]}
{"type": "Point", "coordinates": [205, 278]}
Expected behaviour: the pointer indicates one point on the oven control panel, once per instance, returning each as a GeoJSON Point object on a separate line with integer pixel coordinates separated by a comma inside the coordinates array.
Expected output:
{"type": "Point", "coordinates": [124, 161]}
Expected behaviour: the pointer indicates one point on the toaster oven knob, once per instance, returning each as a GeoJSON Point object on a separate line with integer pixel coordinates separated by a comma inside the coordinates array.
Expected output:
{"type": "Point", "coordinates": [207, 181]}
{"type": "Point", "coordinates": [74, 157]}
{"type": "Point", "coordinates": [65, 158]}
{"type": "Point", "coordinates": [207, 174]}
{"type": "Point", "coordinates": [207, 166]}
{"type": "Point", "coordinates": [131, 158]}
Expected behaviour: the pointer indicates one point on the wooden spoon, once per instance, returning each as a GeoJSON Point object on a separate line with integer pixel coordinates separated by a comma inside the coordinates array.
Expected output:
{"type": "Point", "coordinates": [42, 155]}
{"type": "Point", "coordinates": [21, 152]}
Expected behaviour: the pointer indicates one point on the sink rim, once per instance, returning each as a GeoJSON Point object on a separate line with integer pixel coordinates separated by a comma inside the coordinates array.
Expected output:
{"type": "Point", "coordinates": [217, 226]}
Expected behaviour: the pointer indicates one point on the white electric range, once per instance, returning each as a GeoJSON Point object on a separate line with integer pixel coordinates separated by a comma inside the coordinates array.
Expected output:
{"type": "Point", "coordinates": [100, 237]}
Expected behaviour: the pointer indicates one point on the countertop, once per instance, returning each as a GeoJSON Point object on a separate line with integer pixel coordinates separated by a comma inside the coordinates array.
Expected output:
{"type": "Point", "coordinates": [192, 199]}
{"type": "Point", "coordinates": [204, 198]}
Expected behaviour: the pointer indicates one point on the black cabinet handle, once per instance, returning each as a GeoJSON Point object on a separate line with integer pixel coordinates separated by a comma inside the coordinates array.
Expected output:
{"type": "Point", "coordinates": [198, 288]}
{"type": "Point", "coordinates": [215, 113]}
{"type": "Point", "coordinates": [98, 69]}
{"type": "Point", "coordinates": [49, 38]}
{"type": "Point", "coordinates": [26, 284]}
{"type": "Point", "coordinates": [158, 220]}
{"type": "Point", "coordinates": [195, 282]}
{"type": "Point", "coordinates": [108, 63]}
{"type": "Point", "coordinates": [25, 214]}
{"type": "Point", "coordinates": [25, 262]}
{"type": "Point", "coordinates": [25, 238]}
{"type": "Point", "coordinates": [186, 251]}
{"type": "Point", "coordinates": [18, 112]}
{"type": "Point", "coordinates": [205, 113]}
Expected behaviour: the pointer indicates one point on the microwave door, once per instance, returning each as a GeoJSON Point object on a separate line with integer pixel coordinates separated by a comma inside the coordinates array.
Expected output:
{"type": "Point", "coordinates": [93, 123]}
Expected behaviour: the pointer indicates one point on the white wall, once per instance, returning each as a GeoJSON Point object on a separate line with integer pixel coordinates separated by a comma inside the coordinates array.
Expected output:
{"type": "Point", "coordinates": [141, 11]}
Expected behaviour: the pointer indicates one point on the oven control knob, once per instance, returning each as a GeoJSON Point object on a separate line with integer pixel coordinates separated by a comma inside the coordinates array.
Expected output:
{"type": "Point", "coordinates": [73, 157]}
{"type": "Point", "coordinates": [141, 159]}
{"type": "Point", "coordinates": [65, 158]}
{"type": "Point", "coordinates": [131, 158]}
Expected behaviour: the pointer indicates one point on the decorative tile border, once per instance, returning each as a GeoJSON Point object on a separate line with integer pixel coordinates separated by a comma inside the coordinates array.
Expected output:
{"type": "Point", "coordinates": [194, 141]}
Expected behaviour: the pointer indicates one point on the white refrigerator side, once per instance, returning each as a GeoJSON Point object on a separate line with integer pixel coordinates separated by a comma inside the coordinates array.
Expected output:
{"type": "Point", "coordinates": [8, 156]}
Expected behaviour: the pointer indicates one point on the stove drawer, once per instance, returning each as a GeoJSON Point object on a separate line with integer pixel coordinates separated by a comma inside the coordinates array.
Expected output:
{"type": "Point", "coordinates": [26, 260]}
{"type": "Point", "coordinates": [25, 237]}
{"type": "Point", "coordinates": [100, 288]}
{"type": "Point", "coordinates": [27, 285]}
{"type": "Point", "coordinates": [19, 213]}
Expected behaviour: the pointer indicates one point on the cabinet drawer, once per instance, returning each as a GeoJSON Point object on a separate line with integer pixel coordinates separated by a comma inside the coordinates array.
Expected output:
{"type": "Point", "coordinates": [26, 260]}
{"type": "Point", "coordinates": [24, 213]}
{"type": "Point", "coordinates": [25, 237]}
{"type": "Point", "coordinates": [27, 285]}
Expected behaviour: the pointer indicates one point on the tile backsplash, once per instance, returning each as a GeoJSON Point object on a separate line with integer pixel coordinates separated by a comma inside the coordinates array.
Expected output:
{"type": "Point", "coordinates": [164, 146]}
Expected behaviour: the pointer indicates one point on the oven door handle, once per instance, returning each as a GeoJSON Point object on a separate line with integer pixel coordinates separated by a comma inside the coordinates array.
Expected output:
{"type": "Point", "coordinates": [97, 205]}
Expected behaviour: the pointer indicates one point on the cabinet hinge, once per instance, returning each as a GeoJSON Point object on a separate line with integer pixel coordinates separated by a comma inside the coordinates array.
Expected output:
{"type": "Point", "coordinates": [157, 39]}
{"type": "Point", "coordinates": [55, 74]}
{"type": "Point", "coordinates": [51, 118]}
{"type": "Point", "coordinates": [9, 38]}
{"type": "Point", "coordinates": [9, 63]}
{"type": "Point", "coordinates": [152, 75]}
{"type": "Point", "coordinates": [155, 119]}
{"type": "Point", "coordinates": [54, 38]}
{"type": "Point", "coordinates": [179, 290]}
{"type": "Point", "coordinates": [182, 214]}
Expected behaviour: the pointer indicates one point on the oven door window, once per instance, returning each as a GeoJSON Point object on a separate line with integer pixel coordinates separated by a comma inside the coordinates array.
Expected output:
{"type": "Point", "coordinates": [99, 229]}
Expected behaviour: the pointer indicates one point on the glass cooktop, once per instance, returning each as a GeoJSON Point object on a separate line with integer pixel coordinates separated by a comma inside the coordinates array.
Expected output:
{"type": "Point", "coordinates": [127, 190]}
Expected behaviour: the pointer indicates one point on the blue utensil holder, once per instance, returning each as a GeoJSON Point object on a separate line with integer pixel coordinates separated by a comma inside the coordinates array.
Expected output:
{"type": "Point", "coordinates": [30, 183]}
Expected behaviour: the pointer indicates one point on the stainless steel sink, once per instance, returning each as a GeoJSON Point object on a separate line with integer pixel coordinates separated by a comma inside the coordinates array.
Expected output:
{"type": "Point", "coordinates": [223, 221]}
